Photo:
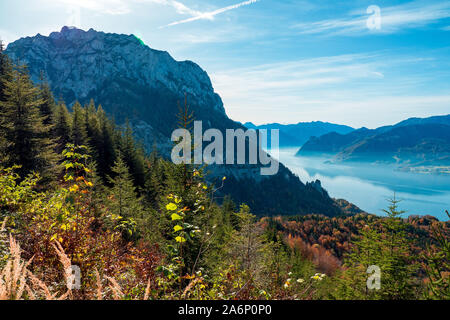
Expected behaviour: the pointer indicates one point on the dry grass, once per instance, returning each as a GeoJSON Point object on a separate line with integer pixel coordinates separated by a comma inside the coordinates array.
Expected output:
{"type": "Point", "coordinates": [16, 279]}
{"type": "Point", "coordinates": [115, 289]}
{"type": "Point", "coordinates": [99, 285]}
{"type": "Point", "coordinates": [18, 283]}
{"type": "Point", "coordinates": [13, 277]}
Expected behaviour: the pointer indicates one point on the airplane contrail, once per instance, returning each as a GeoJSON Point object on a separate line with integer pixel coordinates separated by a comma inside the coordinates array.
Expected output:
{"type": "Point", "coordinates": [210, 15]}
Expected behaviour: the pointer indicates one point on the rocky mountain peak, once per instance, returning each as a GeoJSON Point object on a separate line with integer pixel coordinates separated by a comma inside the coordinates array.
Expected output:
{"type": "Point", "coordinates": [79, 64]}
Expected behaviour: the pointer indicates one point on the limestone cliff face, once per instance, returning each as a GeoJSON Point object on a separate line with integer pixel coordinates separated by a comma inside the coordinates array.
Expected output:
{"type": "Point", "coordinates": [127, 77]}
{"type": "Point", "coordinates": [78, 63]}
{"type": "Point", "coordinates": [132, 81]}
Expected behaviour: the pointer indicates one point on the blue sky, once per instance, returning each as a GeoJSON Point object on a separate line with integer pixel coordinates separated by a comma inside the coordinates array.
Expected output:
{"type": "Point", "coordinates": [282, 60]}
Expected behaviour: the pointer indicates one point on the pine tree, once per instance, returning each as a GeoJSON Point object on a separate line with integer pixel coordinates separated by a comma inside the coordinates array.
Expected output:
{"type": "Point", "coordinates": [23, 127]}
{"type": "Point", "coordinates": [154, 177]}
{"type": "Point", "coordinates": [48, 106]}
{"type": "Point", "coordinates": [247, 247]}
{"type": "Point", "coordinates": [106, 147]}
{"type": "Point", "coordinates": [6, 72]}
{"type": "Point", "coordinates": [398, 262]}
{"type": "Point", "coordinates": [437, 264]}
{"type": "Point", "coordinates": [62, 127]}
{"type": "Point", "coordinates": [122, 197]}
{"type": "Point", "coordinates": [79, 134]}
{"type": "Point", "coordinates": [133, 155]}
{"type": "Point", "coordinates": [388, 248]}
{"type": "Point", "coordinates": [367, 251]}
{"type": "Point", "coordinates": [92, 124]}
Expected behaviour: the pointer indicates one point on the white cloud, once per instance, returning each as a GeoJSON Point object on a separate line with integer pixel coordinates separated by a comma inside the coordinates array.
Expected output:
{"type": "Point", "coordinates": [7, 37]}
{"type": "Point", "coordinates": [118, 7]}
{"type": "Point", "coordinates": [354, 89]}
{"type": "Point", "coordinates": [393, 19]}
{"type": "Point", "coordinates": [113, 7]}
{"type": "Point", "coordinates": [209, 15]}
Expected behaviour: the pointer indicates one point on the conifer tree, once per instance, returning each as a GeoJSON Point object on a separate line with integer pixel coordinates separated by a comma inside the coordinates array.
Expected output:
{"type": "Point", "coordinates": [122, 198]}
{"type": "Point", "coordinates": [398, 267]}
{"type": "Point", "coordinates": [62, 127]}
{"type": "Point", "coordinates": [6, 71]}
{"type": "Point", "coordinates": [92, 124]}
{"type": "Point", "coordinates": [133, 155]}
{"type": "Point", "coordinates": [48, 106]}
{"type": "Point", "coordinates": [79, 134]}
{"type": "Point", "coordinates": [5, 76]}
{"type": "Point", "coordinates": [388, 248]}
{"type": "Point", "coordinates": [106, 147]}
{"type": "Point", "coordinates": [247, 246]}
{"type": "Point", "coordinates": [154, 177]}
{"type": "Point", "coordinates": [367, 251]}
{"type": "Point", "coordinates": [23, 127]}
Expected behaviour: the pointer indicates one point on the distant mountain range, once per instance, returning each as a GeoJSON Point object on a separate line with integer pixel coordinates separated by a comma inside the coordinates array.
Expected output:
{"type": "Point", "coordinates": [410, 143]}
{"type": "Point", "coordinates": [295, 135]}
{"type": "Point", "coordinates": [132, 81]}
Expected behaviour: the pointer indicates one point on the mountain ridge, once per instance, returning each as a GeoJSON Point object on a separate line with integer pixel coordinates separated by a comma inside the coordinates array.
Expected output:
{"type": "Point", "coordinates": [295, 135]}
{"type": "Point", "coordinates": [411, 142]}
{"type": "Point", "coordinates": [132, 81]}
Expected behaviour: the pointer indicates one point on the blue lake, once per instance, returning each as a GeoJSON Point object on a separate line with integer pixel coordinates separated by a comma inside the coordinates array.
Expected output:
{"type": "Point", "coordinates": [369, 186]}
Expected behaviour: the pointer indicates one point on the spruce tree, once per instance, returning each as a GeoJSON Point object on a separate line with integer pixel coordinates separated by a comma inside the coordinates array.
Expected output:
{"type": "Point", "coordinates": [398, 261]}
{"type": "Point", "coordinates": [23, 126]}
{"type": "Point", "coordinates": [6, 72]}
{"type": "Point", "coordinates": [387, 247]}
{"type": "Point", "coordinates": [48, 106]}
{"type": "Point", "coordinates": [366, 251]}
{"type": "Point", "coordinates": [133, 155]}
{"type": "Point", "coordinates": [106, 148]}
{"type": "Point", "coordinates": [62, 127]}
{"type": "Point", "coordinates": [79, 134]}
{"type": "Point", "coordinates": [154, 177]}
{"type": "Point", "coordinates": [122, 196]}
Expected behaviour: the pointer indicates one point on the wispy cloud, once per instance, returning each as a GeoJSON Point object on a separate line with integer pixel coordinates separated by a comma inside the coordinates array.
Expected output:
{"type": "Point", "coordinates": [356, 89]}
{"type": "Point", "coordinates": [178, 6]}
{"type": "Point", "coordinates": [119, 7]}
{"type": "Point", "coordinates": [209, 15]}
{"type": "Point", "coordinates": [6, 37]}
{"type": "Point", "coordinates": [411, 15]}
{"type": "Point", "coordinates": [112, 7]}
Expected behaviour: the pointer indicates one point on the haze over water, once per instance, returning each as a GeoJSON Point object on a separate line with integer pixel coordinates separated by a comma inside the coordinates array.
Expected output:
{"type": "Point", "coordinates": [369, 186]}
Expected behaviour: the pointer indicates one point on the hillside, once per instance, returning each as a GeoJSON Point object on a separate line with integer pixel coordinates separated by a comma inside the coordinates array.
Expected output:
{"type": "Point", "coordinates": [295, 135]}
{"type": "Point", "coordinates": [411, 142]}
{"type": "Point", "coordinates": [132, 81]}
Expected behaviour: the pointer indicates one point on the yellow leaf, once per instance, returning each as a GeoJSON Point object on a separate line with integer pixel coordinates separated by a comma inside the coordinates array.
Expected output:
{"type": "Point", "coordinates": [180, 239]}
{"type": "Point", "coordinates": [171, 206]}
{"type": "Point", "coordinates": [176, 217]}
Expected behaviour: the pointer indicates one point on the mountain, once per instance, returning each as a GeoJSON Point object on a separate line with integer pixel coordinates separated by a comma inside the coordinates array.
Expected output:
{"type": "Point", "coordinates": [412, 142]}
{"type": "Point", "coordinates": [132, 81]}
{"type": "Point", "coordinates": [295, 135]}
{"type": "Point", "coordinates": [128, 78]}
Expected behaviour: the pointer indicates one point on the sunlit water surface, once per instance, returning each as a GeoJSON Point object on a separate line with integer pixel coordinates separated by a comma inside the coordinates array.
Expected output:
{"type": "Point", "coordinates": [369, 186]}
